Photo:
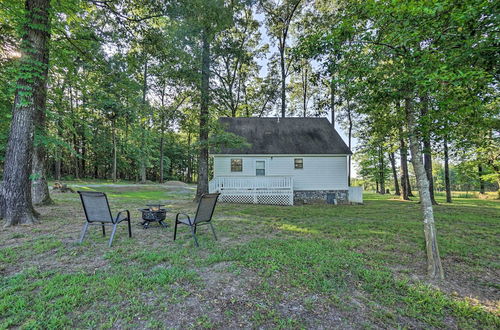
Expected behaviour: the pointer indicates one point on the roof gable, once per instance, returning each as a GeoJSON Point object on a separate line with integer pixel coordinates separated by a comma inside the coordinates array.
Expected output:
{"type": "Point", "coordinates": [284, 136]}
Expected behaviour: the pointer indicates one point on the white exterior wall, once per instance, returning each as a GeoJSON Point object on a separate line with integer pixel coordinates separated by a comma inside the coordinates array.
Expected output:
{"type": "Point", "coordinates": [319, 173]}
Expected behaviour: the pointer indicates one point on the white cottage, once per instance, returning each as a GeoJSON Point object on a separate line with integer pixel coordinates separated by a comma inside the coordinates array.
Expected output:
{"type": "Point", "coordinates": [289, 161]}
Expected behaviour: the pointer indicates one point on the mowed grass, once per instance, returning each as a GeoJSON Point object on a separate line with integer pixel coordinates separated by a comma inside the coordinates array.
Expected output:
{"type": "Point", "coordinates": [360, 266]}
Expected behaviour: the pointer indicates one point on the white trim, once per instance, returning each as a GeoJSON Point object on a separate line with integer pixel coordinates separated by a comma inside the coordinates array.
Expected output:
{"type": "Point", "coordinates": [280, 155]}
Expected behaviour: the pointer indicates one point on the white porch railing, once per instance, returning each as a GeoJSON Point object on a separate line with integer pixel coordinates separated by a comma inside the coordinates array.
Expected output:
{"type": "Point", "coordinates": [276, 190]}
{"type": "Point", "coordinates": [356, 195]}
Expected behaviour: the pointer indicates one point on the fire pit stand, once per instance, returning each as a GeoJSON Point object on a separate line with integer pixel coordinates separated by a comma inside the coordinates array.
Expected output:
{"type": "Point", "coordinates": [153, 214]}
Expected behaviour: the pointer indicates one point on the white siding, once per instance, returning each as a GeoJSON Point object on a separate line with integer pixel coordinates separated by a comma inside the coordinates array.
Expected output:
{"type": "Point", "coordinates": [319, 172]}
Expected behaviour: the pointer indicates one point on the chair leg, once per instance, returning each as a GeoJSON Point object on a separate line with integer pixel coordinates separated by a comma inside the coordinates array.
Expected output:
{"type": "Point", "coordinates": [129, 228]}
{"type": "Point", "coordinates": [112, 234]}
{"type": "Point", "coordinates": [84, 230]}
{"type": "Point", "coordinates": [213, 230]}
{"type": "Point", "coordinates": [195, 228]}
{"type": "Point", "coordinates": [103, 230]}
{"type": "Point", "coordinates": [175, 231]}
{"type": "Point", "coordinates": [194, 236]}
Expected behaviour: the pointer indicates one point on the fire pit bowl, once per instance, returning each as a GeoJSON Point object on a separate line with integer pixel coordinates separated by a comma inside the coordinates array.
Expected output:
{"type": "Point", "coordinates": [153, 214]}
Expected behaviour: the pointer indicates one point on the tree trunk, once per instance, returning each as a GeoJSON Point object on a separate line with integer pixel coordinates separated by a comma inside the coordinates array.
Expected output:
{"type": "Point", "coordinates": [376, 186]}
{"type": "Point", "coordinates": [428, 171]}
{"type": "Point", "coordinates": [113, 133]}
{"type": "Point", "coordinates": [142, 168]}
{"type": "Point", "coordinates": [332, 99]}
{"type": "Point", "coordinates": [434, 267]}
{"type": "Point", "coordinates": [447, 172]}
{"type": "Point", "coordinates": [394, 174]}
{"type": "Point", "coordinates": [39, 187]}
{"type": "Point", "coordinates": [83, 146]}
{"type": "Point", "coordinates": [408, 184]}
{"type": "Point", "coordinates": [305, 80]}
{"type": "Point", "coordinates": [202, 187]}
{"type": "Point", "coordinates": [190, 161]}
{"type": "Point", "coordinates": [245, 98]}
{"type": "Point", "coordinates": [283, 79]}
{"type": "Point", "coordinates": [426, 139]}
{"type": "Point", "coordinates": [162, 138]}
{"type": "Point", "coordinates": [381, 171]}
{"type": "Point", "coordinates": [15, 198]}
{"type": "Point", "coordinates": [58, 166]}
{"type": "Point", "coordinates": [404, 166]}
{"type": "Point", "coordinates": [481, 182]}
{"type": "Point", "coordinates": [349, 138]}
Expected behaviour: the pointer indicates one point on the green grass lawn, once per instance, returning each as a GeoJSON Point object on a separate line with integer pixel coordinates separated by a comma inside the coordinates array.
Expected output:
{"type": "Point", "coordinates": [359, 266]}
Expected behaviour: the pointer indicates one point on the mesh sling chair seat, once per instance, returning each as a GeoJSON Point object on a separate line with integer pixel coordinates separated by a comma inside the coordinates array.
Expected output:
{"type": "Point", "coordinates": [98, 213]}
{"type": "Point", "coordinates": [203, 216]}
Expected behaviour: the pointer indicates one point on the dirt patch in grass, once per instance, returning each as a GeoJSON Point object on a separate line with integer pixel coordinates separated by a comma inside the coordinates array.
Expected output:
{"type": "Point", "coordinates": [176, 184]}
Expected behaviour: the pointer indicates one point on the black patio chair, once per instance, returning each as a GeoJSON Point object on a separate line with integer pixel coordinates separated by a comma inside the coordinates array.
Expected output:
{"type": "Point", "coordinates": [97, 211]}
{"type": "Point", "coordinates": [203, 216]}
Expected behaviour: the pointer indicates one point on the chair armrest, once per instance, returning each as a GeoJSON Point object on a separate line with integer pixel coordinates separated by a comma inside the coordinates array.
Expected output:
{"type": "Point", "coordinates": [184, 214]}
{"type": "Point", "coordinates": [117, 219]}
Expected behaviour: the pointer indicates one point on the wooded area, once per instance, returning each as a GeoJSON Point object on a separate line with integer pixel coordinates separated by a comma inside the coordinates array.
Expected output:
{"type": "Point", "coordinates": [132, 90]}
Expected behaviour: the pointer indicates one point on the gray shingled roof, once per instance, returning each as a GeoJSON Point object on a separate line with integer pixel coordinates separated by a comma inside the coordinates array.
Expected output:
{"type": "Point", "coordinates": [285, 136]}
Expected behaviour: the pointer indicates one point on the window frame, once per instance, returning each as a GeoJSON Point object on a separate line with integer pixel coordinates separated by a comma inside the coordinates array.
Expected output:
{"type": "Point", "coordinates": [295, 163]}
{"type": "Point", "coordinates": [233, 168]}
{"type": "Point", "coordinates": [265, 166]}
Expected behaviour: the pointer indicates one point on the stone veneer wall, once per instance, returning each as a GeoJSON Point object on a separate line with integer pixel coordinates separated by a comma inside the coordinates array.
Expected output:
{"type": "Point", "coordinates": [319, 196]}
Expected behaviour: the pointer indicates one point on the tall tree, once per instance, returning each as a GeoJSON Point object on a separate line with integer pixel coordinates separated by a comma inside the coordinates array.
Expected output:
{"type": "Point", "coordinates": [16, 204]}
{"type": "Point", "coordinates": [392, 158]}
{"type": "Point", "coordinates": [427, 147]}
{"type": "Point", "coordinates": [279, 16]}
{"type": "Point", "coordinates": [434, 266]}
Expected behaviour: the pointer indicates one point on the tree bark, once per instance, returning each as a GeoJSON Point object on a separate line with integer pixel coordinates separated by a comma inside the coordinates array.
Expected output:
{"type": "Point", "coordinates": [447, 172]}
{"type": "Point", "coordinates": [434, 267]}
{"type": "Point", "coordinates": [394, 174]}
{"type": "Point", "coordinates": [202, 187]}
{"type": "Point", "coordinates": [39, 187]}
{"type": "Point", "coordinates": [15, 198]}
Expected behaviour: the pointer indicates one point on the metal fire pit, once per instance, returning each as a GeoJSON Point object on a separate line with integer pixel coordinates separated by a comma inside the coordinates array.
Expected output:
{"type": "Point", "coordinates": [153, 214]}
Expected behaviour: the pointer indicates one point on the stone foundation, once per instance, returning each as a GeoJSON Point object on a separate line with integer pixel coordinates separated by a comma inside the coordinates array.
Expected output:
{"type": "Point", "coordinates": [301, 197]}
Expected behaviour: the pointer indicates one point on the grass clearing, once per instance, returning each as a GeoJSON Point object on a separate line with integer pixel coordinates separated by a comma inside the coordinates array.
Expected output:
{"type": "Point", "coordinates": [280, 267]}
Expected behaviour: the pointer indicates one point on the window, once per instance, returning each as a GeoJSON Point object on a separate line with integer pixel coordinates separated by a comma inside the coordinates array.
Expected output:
{"type": "Point", "coordinates": [260, 168]}
{"type": "Point", "coordinates": [299, 163]}
{"type": "Point", "coordinates": [236, 165]}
